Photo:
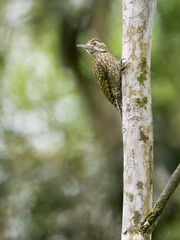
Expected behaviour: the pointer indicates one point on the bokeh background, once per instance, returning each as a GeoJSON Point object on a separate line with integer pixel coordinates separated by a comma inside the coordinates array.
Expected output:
{"type": "Point", "coordinates": [60, 139]}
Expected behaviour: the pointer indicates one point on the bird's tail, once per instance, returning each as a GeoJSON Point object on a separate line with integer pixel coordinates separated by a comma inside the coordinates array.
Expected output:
{"type": "Point", "coordinates": [119, 107]}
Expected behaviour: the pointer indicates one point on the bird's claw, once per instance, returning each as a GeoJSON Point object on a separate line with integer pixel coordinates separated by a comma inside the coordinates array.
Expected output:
{"type": "Point", "coordinates": [121, 64]}
{"type": "Point", "coordinates": [121, 61]}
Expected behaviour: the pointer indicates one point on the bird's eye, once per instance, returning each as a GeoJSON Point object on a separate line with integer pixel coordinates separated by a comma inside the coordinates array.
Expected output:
{"type": "Point", "coordinates": [94, 43]}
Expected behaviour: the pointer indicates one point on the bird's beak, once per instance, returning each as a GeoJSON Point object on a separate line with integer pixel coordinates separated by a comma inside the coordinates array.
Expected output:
{"type": "Point", "coordinates": [83, 46]}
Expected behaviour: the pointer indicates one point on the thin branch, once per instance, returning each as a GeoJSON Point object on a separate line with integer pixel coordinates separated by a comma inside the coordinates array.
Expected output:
{"type": "Point", "coordinates": [149, 223]}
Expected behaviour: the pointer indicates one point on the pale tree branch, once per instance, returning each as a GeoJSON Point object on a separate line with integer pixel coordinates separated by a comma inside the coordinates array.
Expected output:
{"type": "Point", "coordinates": [137, 123]}
{"type": "Point", "coordinates": [149, 223]}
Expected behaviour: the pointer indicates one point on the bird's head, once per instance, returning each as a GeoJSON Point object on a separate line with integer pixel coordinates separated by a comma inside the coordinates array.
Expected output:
{"type": "Point", "coordinates": [94, 45]}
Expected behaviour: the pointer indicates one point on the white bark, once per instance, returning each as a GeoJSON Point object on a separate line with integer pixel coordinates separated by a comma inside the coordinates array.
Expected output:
{"type": "Point", "coordinates": [138, 18]}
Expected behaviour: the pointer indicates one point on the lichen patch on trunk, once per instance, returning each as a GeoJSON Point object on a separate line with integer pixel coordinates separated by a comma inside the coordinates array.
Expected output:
{"type": "Point", "coordinates": [143, 71]}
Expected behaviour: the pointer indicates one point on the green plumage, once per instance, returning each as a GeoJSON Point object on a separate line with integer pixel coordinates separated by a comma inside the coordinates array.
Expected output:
{"type": "Point", "coordinates": [107, 72]}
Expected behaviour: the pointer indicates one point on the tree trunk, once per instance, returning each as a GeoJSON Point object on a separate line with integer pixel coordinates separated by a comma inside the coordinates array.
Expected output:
{"type": "Point", "coordinates": [137, 125]}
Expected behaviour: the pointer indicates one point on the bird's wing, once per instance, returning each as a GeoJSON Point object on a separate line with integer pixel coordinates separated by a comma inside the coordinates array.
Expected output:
{"type": "Point", "coordinates": [103, 78]}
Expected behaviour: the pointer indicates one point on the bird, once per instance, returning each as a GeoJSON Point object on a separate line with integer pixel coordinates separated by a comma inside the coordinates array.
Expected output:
{"type": "Point", "coordinates": [107, 70]}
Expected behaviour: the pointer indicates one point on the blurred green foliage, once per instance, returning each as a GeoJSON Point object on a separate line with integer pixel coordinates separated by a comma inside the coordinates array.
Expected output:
{"type": "Point", "coordinates": [60, 139]}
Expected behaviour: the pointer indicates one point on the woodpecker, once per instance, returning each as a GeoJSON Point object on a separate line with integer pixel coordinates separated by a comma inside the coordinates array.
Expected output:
{"type": "Point", "coordinates": [107, 70]}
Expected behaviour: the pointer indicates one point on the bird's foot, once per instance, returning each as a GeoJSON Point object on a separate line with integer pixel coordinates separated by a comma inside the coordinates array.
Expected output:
{"type": "Point", "coordinates": [123, 66]}
{"type": "Point", "coordinates": [121, 62]}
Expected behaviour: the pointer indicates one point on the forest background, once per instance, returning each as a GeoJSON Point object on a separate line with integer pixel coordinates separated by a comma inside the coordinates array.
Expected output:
{"type": "Point", "coordinates": [60, 139]}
